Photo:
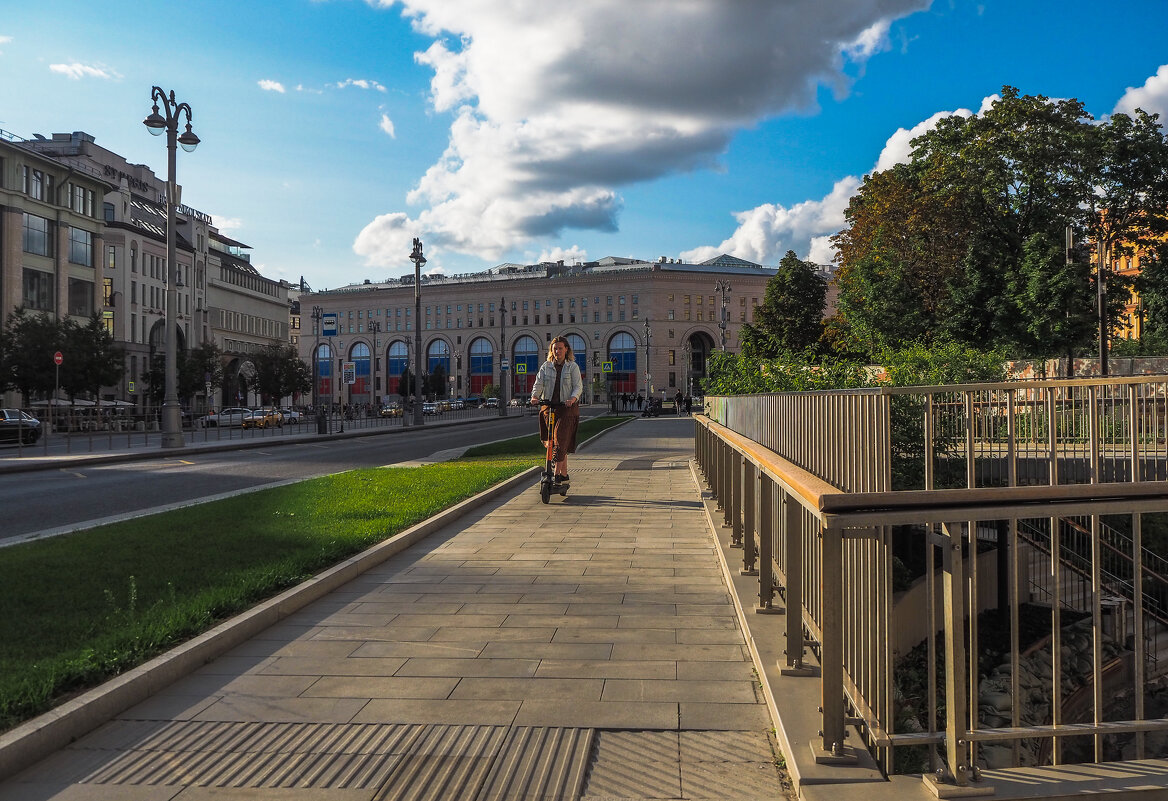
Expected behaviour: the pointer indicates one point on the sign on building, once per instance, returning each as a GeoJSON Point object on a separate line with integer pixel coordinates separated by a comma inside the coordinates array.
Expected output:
{"type": "Point", "coordinates": [349, 370]}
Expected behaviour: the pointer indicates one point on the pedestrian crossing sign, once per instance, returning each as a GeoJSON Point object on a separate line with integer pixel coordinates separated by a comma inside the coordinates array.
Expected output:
{"type": "Point", "coordinates": [520, 368]}
{"type": "Point", "coordinates": [606, 367]}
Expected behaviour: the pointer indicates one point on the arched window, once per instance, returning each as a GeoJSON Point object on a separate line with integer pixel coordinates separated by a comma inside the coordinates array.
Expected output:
{"type": "Point", "coordinates": [396, 361]}
{"type": "Point", "coordinates": [527, 353]}
{"type": "Point", "coordinates": [622, 352]}
{"type": "Point", "coordinates": [438, 356]}
{"type": "Point", "coordinates": [361, 391]}
{"type": "Point", "coordinates": [482, 365]}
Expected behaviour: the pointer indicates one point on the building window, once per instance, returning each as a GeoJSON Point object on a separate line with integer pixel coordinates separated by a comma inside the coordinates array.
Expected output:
{"type": "Point", "coordinates": [669, 314]}
{"type": "Point", "coordinates": [37, 238]}
{"type": "Point", "coordinates": [37, 291]}
{"type": "Point", "coordinates": [80, 246]}
{"type": "Point", "coordinates": [80, 298]}
{"type": "Point", "coordinates": [82, 200]}
{"type": "Point", "coordinates": [111, 258]}
{"type": "Point", "coordinates": [685, 299]}
{"type": "Point", "coordinates": [673, 357]}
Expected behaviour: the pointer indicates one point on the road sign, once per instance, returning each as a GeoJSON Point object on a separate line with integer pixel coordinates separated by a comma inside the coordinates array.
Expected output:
{"type": "Point", "coordinates": [606, 367]}
{"type": "Point", "coordinates": [58, 358]}
{"type": "Point", "coordinates": [328, 327]}
{"type": "Point", "coordinates": [350, 372]}
{"type": "Point", "coordinates": [505, 366]}
{"type": "Point", "coordinates": [520, 368]}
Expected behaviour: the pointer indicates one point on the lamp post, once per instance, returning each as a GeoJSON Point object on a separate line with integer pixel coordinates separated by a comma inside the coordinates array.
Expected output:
{"type": "Point", "coordinates": [503, 375]}
{"type": "Point", "coordinates": [374, 330]}
{"type": "Point", "coordinates": [321, 420]}
{"type": "Point", "coordinates": [648, 337]}
{"type": "Point", "coordinates": [1101, 301]}
{"type": "Point", "coordinates": [724, 288]}
{"type": "Point", "coordinates": [418, 259]}
{"type": "Point", "coordinates": [172, 436]}
{"type": "Point", "coordinates": [688, 365]}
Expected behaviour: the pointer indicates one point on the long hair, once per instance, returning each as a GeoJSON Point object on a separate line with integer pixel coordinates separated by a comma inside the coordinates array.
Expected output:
{"type": "Point", "coordinates": [568, 354]}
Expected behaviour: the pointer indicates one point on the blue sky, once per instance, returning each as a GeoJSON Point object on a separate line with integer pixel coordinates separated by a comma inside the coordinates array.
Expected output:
{"type": "Point", "coordinates": [336, 131]}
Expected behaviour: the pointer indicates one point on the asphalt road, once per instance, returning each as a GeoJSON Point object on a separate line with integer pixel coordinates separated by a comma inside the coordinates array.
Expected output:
{"type": "Point", "coordinates": [45, 502]}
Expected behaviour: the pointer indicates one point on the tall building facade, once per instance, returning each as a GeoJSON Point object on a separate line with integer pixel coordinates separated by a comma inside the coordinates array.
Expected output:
{"type": "Point", "coordinates": [52, 235]}
{"type": "Point", "coordinates": [634, 326]}
{"type": "Point", "coordinates": [222, 299]}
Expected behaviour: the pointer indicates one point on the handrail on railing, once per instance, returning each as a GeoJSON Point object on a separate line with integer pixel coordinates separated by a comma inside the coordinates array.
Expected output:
{"type": "Point", "coordinates": [804, 484]}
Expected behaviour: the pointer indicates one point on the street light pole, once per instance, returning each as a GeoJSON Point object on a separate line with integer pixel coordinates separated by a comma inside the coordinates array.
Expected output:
{"type": "Point", "coordinates": [648, 337]}
{"type": "Point", "coordinates": [503, 374]}
{"type": "Point", "coordinates": [1101, 292]}
{"type": "Point", "coordinates": [172, 436]}
{"type": "Point", "coordinates": [418, 259]}
{"type": "Point", "coordinates": [375, 329]}
{"type": "Point", "coordinates": [321, 420]}
{"type": "Point", "coordinates": [724, 288]}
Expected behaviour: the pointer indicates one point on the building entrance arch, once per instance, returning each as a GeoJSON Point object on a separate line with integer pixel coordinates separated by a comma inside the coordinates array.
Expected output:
{"type": "Point", "coordinates": [361, 390]}
{"type": "Point", "coordinates": [482, 365]}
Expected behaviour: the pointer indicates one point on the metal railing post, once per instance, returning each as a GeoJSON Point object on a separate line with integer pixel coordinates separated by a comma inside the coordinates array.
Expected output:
{"type": "Point", "coordinates": [830, 748]}
{"type": "Point", "coordinates": [793, 569]}
{"type": "Point", "coordinates": [750, 533]}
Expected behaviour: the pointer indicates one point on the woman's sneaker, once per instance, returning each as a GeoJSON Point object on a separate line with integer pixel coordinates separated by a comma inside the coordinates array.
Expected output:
{"type": "Point", "coordinates": [561, 479]}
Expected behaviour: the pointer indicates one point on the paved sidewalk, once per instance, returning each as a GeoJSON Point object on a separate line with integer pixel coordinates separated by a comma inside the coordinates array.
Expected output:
{"type": "Point", "coordinates": [584, 649]}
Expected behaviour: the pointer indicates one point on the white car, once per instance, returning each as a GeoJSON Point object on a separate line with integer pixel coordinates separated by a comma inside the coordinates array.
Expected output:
{"type": "Point", "coordinates": [231, 416]}
{"type": "Point", "coordinates": [291, 416]}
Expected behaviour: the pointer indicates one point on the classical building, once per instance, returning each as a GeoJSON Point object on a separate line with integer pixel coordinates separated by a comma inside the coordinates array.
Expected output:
{"type": "Point", "coordinates": [52, 238]}
{"type": "Point", "coordinates": [635, 326]}
{"type": "Point", "coordinates": [221, 297]}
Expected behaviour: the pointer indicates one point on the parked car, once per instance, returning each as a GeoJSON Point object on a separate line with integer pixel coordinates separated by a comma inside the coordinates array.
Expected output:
{"type": "Point", "coordinates": [474, 402]}
{"type": "Point", "coordinates": [291, 416]}
{"type": "Point", "coordinates": [457, 404]}
{"type": "Point", "coordinates": [516, 402]}
{"type": "Point", "coordinates": [492, 403]}
{"type": "Point", "coordinates": [18, 426]}
{"type": "Point", "coordinates": [430, 408]}
{"type": "Point", "coordinates": [391, 410]}
{"type": "Point", "coordinates": [231, 416]}
{"type": "Point", "coordinates": [263, 418]}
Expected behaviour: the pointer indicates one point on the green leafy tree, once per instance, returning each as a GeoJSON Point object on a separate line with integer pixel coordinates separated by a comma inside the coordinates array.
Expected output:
{"type": "Point", "coordinates": [791, 314]}
{"type": "Point", "coordinates": [490, 390]}
{"type": "Point", "coordinates": [280, 372]}
{"type": "Point", "coordinates": [26, 353]}
{"type": "Point", "coordinates": [198, 367]}
{"type": "Point", "coordinates": [94, 360]}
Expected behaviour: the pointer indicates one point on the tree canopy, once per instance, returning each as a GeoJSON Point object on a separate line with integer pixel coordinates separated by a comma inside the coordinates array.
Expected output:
{"type": "Point", "coordinates": [967, 241]}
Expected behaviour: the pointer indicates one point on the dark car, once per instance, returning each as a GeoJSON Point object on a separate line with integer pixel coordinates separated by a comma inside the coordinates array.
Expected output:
{"type": "Point", "coordinates": [17, 425]}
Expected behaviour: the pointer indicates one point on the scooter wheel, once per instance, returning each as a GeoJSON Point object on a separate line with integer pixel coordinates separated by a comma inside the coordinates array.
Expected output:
{"type": "Point", "coordinates": [545, 492]}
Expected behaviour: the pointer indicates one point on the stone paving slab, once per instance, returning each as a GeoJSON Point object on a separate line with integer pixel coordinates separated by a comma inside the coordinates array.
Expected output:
{"type": "Point", "coordinates": [603, 612]}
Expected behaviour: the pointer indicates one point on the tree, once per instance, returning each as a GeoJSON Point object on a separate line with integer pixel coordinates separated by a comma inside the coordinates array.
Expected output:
{"type": "Point", "coordinates": [198, 367]}
{"type": "Point", "coordinates": [791, 314]}
{"type": "Point", "coordinates": [490, 390]}
{"type": "Point", "coordinates": [94, 360]}
{"type": "Point", "coordinates": [280, 372]}
{"type": "Point", "coordinates": [969, 228]}
{"type": "Point", "coordinates": [26, 353]}
{"type": "Point", "coordinates": [405, 385]}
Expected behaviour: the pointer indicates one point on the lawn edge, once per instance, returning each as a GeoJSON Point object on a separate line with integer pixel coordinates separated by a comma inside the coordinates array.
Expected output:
{"type": "Point", "coordinates": [35, 739]}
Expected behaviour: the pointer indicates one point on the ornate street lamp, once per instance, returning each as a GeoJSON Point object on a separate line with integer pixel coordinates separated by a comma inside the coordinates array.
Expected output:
{"type": "Point", "coordinates": [321, 420]}
{"type": "Point", "coordinates": [503, 374]}
{"type": "Point", "coordinates": [374, 330]}
{"type": "Point", "coordinates": [418, 259]}
{"type": "Point", "coordinates": [172, 436]}
{"type": "Point", "coordinates": [724, 288]}
{"type": "Point", "coordinates": [648, 337]}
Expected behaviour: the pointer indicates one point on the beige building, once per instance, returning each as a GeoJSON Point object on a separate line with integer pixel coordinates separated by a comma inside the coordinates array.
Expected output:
{"type": "Point", "coordinates": [52, 238]}
{"type": "Point", "coordinates": [634, 325]}
{"type": "Point", "coordinates": [221, 297]}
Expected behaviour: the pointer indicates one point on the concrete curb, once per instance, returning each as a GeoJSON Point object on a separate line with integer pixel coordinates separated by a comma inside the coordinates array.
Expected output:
{"type": "Point", "coordinates": [35, 739]}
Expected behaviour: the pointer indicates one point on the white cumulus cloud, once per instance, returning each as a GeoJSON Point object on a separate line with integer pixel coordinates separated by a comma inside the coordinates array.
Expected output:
{"type": "Point", "coordinates": [1152, 97]}
{"type": "Point", "coordinates": [271, 86]}
{"type": "Point", "coordinates": [766, 232]}
{"type": "Point", "coordinates": [556, 107]}
{"type": "Point", "coordinates": [76, 71]}
{"type": "Point", "coordinates": [386, 125]}
{"type": "Point", "coordinates": [361, 83]}
{"type": "Point", "coordinates": [572, 255]}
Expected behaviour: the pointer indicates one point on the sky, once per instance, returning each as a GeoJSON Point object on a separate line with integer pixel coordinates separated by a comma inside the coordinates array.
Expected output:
{"type": "Point", "coordinates": [336, 131]}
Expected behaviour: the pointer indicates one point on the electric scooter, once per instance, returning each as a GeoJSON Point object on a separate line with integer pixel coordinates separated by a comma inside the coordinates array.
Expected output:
{"type": "Point", "coordinates": [547, 484]}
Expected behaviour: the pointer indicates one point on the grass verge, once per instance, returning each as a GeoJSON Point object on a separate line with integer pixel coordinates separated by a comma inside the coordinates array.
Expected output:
{"type": "Point", "coordinates": [531, 446]}
{"type": "Point", "coordinates": [78, 609]}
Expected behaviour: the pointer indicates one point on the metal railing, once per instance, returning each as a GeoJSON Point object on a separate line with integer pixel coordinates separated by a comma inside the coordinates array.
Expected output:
{"type": "Point", "coordinates": [905, 526]}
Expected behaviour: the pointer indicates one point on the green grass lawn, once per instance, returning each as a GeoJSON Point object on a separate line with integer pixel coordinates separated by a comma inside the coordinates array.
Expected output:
{"type": "Point", "coordinates": [78, 609]}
